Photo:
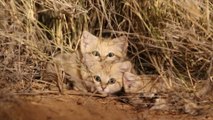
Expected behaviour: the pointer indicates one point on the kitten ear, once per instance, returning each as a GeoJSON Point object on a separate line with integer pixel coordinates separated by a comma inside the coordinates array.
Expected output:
{"type": "Point", "coordinates": [122, 42]}
{"type": "Point", "coordinates": [125, 66]}
{"type": "Point", "coordinates": [87, 40]}
{"type": "Point", "coordinates": [130, 76]}
{"type": "Point", "coordinates": [129, 79]}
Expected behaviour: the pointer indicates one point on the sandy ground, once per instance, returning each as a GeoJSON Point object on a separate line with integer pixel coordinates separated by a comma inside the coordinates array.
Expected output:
{"type": "Point", "coordinates": [74, 107]}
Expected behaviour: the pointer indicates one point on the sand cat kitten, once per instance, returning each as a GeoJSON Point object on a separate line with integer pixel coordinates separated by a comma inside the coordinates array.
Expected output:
{"type": "Point", "coordinates": [103, 49]}
{"type": "Point", "coordinates": [108, 78]}
{"type": "Point", "coordinates": [92, 50]}
{"type": "Point", "coordinates": [143, 83]}
{"type": "Point", "coordinates": [167, 98]}
{"type": "Point", "coordinates": [154, 83]}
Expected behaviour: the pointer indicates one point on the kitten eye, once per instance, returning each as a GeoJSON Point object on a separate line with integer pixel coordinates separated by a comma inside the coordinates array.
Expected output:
{"type": "Point", "coordinates": [97, 78]}
{"type": "Point", "coordinates": [110, 54]}
{"type": "Point", "coordinates": [95, 53]}
{"type": "Point", "coordinates": [112, 81]}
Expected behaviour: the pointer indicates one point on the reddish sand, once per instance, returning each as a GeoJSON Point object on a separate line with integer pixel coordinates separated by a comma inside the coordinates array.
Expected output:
{"type": "Point", "coordinates": [72, 107]}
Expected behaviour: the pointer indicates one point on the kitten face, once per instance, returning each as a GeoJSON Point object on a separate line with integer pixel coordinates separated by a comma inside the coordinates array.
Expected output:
{"type": "Point", "coordinates": [103, 49]}
{"type": "Point", "coordinates": [108, 78]}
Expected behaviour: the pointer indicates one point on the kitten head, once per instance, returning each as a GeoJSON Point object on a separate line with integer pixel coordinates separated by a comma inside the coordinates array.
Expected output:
{"type": "Point", "coordinates": [109, 78]}
{"type": "Point", "coordinates": [103, 49]}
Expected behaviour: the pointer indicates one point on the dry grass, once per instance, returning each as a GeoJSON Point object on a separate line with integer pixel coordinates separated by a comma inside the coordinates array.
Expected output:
{"type": "Point", "coordinates": [172, 38]}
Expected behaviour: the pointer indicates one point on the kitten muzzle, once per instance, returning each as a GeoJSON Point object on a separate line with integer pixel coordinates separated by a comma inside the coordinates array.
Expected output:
{"type": "Point", "coordinates": [103, 87]}
{"type": "Point", "coordinates": [102, 59]}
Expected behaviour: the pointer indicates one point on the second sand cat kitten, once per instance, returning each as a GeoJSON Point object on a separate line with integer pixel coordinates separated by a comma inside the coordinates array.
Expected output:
{"type": "Point", "coordinates": [143, 83]}
{"type": "Point", "coordinates": [108, 78]}
{"type": "Point", "coordinates": [163, 96]}
{"type": "Point", "coordinates": [92, 50]}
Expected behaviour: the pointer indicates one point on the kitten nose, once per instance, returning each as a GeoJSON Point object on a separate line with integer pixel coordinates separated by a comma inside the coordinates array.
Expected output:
{"type": "Point", "coordinates": [102, 59]}
{"type": "Point", "coordinates": [103, 86]}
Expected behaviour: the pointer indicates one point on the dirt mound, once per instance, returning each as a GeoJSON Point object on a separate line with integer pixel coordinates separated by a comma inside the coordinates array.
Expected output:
{"type": "Point", "coordinates": [59, 108]}
{"type": "Point", "coordinates": [67, 107]}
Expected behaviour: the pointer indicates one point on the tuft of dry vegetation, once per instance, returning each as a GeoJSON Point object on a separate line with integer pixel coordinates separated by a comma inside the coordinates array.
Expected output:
{"type": "Point", "coordinates": [172, 38]}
